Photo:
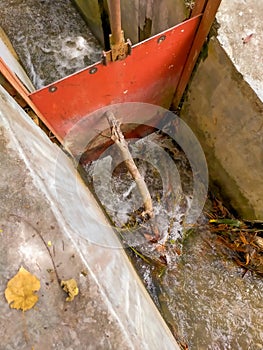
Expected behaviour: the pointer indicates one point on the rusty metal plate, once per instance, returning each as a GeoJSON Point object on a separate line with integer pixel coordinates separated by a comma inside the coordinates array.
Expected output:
{"type": "Point", "coordinates": [150, 74]}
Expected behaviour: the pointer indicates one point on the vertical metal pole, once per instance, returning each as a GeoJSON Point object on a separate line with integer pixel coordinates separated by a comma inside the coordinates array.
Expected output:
{"type": "Point", "coordinates": [115, 21]}
{"type": "Point", "coordinates": [206, 22]}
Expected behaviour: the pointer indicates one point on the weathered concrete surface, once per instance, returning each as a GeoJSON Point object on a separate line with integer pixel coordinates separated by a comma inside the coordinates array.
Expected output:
{"type": "Point", "coordinates": [41, 195]}
{"type": "Point", "coordinates": [226, 116]}
{"type": "Point", "coordinates": [225, 112]}
{"type": "Point", "coordinates": [238, 20]}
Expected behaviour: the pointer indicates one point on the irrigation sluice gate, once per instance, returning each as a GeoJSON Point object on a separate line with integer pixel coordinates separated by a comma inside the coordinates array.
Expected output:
{"type": "Point", "coordinates": [154, 71]}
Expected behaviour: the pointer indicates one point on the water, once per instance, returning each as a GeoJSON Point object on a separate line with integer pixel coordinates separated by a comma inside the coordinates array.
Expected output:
{"type": "Point", "coordinates": [213, 306]}
{"type": "Point", "coordinates": [50, 37]}
{"type": "Point", "coordinates": [201, 294]}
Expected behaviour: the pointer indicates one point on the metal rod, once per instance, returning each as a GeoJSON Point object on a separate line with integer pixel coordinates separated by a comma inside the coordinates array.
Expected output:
{"type": "Point", "coordinates": [202, 32]}
{"type": "Point", "coordinates": [115, 20]}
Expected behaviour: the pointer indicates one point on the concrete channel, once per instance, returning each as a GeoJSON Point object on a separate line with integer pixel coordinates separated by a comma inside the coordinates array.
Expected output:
{"type": "Point", "coordinates": [42, 194]}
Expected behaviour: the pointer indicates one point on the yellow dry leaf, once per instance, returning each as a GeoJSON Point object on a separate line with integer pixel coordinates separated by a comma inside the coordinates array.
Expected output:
{"type": "Point", "coordinates": [71, 288]}
{"type": "Point", "coordinates": [20, 290]}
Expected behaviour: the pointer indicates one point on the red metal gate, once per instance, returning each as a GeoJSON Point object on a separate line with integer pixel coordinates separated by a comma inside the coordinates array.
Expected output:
{"type": "Point", "coordinates": [150, 74]}
{"type": "Point", "coordinates": [156, 72]}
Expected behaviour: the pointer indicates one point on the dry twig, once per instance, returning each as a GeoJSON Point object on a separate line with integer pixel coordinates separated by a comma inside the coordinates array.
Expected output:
{"type": "Point", "coordinates": [118, 138]}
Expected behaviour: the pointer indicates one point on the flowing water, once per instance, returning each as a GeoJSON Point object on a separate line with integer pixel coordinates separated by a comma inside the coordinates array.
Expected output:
{"type": "Point", "coordinates": [50, 37]}
{"type": "Point", "coordinates": [203, 296]}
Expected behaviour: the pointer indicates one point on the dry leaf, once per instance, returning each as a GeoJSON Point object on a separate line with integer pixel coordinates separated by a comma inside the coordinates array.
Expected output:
{"type": "Point", "coordinates": [20, 290]}
{"type": "Point", "coordinates": [71, 288]}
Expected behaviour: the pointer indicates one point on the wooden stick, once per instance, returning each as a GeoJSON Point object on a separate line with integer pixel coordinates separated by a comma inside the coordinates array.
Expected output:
{"type": "Point", "coordinates": [118, 138]}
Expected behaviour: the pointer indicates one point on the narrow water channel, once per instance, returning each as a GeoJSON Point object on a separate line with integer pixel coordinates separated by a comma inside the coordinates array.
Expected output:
{"type": "Point", "coordinates": [203, 296]}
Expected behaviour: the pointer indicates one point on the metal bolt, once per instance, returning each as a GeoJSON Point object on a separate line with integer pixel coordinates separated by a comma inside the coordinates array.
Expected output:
{"type": "Point", "coordinates": [161, 39]}
{"type": "Point", "coordinates": [93, 70]}
{"type": "Point", "coordinates": [52, 89]}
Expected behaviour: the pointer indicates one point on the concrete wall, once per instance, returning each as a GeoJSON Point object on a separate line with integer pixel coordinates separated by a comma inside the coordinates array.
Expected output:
{"type": "Point", "coordinates": [227, 117]}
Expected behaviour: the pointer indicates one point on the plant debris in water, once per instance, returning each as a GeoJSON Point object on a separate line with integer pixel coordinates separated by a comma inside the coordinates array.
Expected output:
{"type": "Point", "coordinates": [240, 240]}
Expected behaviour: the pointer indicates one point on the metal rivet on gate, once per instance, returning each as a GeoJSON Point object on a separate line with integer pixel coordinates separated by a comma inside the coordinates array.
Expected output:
{"type": "Point", "coordinates": [52, 88]}
{"type": "Point", "coordinates": [93, 70]}
{"type": "Point", "coordinates": [161, 39]}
